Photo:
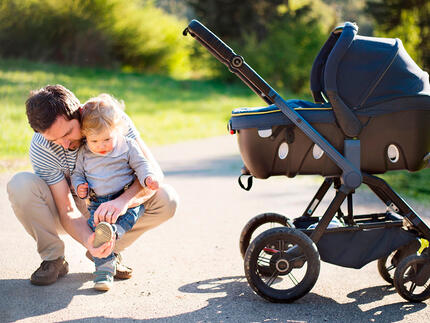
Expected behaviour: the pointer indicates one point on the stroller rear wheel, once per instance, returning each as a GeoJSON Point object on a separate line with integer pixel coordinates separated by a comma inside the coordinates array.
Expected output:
{"type": "Point", "coordinates": [258, 224]}
{"type": "Point", "coordinates": [388, 264]}
{"type": "Point", "coordinates": [386, 267]}
{"type": "Point", "coordinates": [293, 260]}
{"type": "Point", "coordinates": [412, 278]}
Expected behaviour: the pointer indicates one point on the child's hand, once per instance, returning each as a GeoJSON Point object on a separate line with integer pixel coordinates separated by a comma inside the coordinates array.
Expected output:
{"type": "Point", "coordinates": [152, 183]}
{"type": "Point", "coordinates": [82, 190]}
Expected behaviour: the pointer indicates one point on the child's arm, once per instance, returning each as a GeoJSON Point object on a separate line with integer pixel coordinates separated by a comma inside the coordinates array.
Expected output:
{"type": "Point", "coordinates": [142, 167]}
{"type": "Point", "coordinates": [78, 179]}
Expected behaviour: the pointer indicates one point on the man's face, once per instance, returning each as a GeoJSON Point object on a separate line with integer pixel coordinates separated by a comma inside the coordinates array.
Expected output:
{"type": "Point", "coordinates": [66, 133]}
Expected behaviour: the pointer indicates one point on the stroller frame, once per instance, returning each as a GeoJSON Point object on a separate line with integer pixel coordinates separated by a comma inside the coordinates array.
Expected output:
{"type": "Point", "coordinates": [382, 190]}
{"type": "Point", "coordinates": [345, 184]}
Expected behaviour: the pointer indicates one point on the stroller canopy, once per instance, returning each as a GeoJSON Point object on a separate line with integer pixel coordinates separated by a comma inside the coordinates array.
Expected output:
{"type": "Point", "coordinates": [368, 73]}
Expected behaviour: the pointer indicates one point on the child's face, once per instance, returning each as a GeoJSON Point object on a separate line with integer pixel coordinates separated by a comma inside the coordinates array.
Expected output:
{"type": "Point", "coordinates": [102, 142]}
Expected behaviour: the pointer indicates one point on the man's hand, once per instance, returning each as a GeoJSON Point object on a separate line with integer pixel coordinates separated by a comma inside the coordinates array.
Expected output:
{"type": "Point", "coordinates": [82, 190]}
{"type": "Point", "coordinates": [104, 250]}
{"type": "Point", "coordinates": [110, 211]}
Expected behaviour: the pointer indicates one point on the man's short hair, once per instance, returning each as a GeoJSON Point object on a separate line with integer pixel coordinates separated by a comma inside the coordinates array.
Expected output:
{"type": "Point", "coordinates": [45, 105]}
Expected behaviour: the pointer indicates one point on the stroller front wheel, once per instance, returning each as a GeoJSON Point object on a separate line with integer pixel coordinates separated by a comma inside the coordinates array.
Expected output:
{"type": "Point", "coordinates": [293, 261]}
{"type": "Point", "coordinates": [412, 278]}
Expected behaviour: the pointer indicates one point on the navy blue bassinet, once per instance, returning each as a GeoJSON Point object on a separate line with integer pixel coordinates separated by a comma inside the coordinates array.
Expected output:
{"type": "Point", "coordinates": [377, 94]}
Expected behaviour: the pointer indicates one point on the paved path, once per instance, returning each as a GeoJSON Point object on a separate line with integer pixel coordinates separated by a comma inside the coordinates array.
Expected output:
{"type": "Point", "coordinates": [190, 269]}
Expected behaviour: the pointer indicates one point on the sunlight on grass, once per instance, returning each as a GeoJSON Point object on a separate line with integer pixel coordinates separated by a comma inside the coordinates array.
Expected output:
{"type": "Point", "coordinates": [164, 109]}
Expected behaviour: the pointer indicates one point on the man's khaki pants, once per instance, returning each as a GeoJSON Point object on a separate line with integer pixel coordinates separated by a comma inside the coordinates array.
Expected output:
{"type": "Point", "coordinates": [34, 206]}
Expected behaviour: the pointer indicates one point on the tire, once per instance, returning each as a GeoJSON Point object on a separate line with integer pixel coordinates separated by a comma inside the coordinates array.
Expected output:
{"type": "Point", "coordinates": [406, 282]}
{"type": "Point", "coordinates": [388, 264]}
{"type": "Point", "coordinates": [386, 268]}
{"type": "Point", "coordinates": [294, 262]}
{"type": "Point", "coordinates": [256, 223]}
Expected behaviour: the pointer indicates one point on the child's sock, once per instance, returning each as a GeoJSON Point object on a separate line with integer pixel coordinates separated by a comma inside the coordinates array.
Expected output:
{"type": "Point", "coordinates": [118, 230]}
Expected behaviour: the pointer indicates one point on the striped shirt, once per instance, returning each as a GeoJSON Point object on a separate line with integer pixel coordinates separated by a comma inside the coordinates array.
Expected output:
{"type": "Point", "coordinates": [53, 163]}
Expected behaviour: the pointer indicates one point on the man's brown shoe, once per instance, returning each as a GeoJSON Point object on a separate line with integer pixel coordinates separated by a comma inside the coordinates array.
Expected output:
{"type": "Point", "coordinates": [122, 271]}
{"type": "Point", "coordinates": [49, 271]}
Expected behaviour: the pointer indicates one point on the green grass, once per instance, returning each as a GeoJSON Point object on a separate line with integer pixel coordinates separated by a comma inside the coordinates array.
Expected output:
{"type": "Point", "coordinates": [415, 185]}
{"type": "Point", "coordinates": [165, 110]}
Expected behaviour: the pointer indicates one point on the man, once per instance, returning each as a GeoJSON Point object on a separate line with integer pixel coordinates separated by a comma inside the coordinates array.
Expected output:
{"type": "Point", "coordinates": [46, 205]}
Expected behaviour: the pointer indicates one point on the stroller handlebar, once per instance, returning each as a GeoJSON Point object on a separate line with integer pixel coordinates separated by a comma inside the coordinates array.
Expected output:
{"type": "Point", "coordinates": [228, 57]}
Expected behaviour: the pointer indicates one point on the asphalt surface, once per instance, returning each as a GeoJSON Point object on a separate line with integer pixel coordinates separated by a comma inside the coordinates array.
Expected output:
{"type": "Point", "coordinates": [190, 268]}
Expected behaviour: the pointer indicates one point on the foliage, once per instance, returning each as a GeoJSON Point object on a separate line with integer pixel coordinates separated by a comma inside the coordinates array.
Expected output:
{"type": "Point", "coordinates": [415, 184]}
{"type": "Point", "coordinates": [233, 20]}
{"type": "Point", "coordinates": [408, 20]}
{"type": "Point", "coordinates": [106, 33]}
{"type": "Point", "coordinates": [353, 11]}
{"type": "Point", "coordinates": [279, 39]}
{"type": "Point", "coordinates": [285, 56]}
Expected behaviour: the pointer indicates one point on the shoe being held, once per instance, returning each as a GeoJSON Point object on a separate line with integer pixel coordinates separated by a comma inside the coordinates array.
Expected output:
{"type": "Point", "coordinates": [104, 233]}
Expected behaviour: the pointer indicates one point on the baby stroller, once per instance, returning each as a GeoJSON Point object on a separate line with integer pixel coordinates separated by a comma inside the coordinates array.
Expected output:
{"type": "Point", "coordinates": [371, 115]}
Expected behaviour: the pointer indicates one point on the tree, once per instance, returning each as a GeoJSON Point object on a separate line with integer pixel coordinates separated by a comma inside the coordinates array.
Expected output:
{"type": "Point", "coordinates": [408, 20]}
{"type": "Point", "coordinates": [233, 19]}
{"type": "Point", "coordinates": [278, 38]}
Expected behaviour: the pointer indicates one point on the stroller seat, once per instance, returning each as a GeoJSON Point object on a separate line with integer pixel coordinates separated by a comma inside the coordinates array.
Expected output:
{"type": "Point", "coordinates": [377, 95]}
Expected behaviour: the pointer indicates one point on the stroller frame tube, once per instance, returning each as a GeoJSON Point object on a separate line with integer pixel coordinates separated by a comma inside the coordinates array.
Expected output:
{"type": "Point", "coordinates": [316, 200]}
{"type": "Point", "coordinates": [351, 175]}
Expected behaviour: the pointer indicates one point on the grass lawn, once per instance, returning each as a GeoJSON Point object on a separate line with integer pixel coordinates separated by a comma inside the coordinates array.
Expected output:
{"type": "Point", "coordinates": [415, 185]}
{"type": "Point", "coordinates": [165, 110]}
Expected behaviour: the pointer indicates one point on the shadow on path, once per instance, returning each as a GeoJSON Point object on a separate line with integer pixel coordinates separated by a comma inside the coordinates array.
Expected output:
{"type": "Point", "coordinates": [243, 305]}
{"type": "Point", "coordinates": [39, 300]}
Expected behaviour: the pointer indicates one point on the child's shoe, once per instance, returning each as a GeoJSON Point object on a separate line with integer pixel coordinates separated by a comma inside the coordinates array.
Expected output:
{"type": "Point", "coordinates": [103, 280]}
{"type": "Point", "coordinates": [104, 233]}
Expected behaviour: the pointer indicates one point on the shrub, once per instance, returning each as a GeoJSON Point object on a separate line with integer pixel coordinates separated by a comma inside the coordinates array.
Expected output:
{"type": "Point", "coordinates": [106, 33]}
{"type": "Point", "coordinates": [285, 54]}
{"type": "Point", "coordinates": [285, 57]}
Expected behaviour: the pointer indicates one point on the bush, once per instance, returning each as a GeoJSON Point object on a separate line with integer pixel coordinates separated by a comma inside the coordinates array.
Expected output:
{"type": "Point", "coordinates": [107, 33]}
{"type": "Point", "coordinates": [284, 56]}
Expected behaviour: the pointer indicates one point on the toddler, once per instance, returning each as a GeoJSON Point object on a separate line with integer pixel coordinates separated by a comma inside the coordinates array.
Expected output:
{"type": "Point", "coordinates": [107, 165]}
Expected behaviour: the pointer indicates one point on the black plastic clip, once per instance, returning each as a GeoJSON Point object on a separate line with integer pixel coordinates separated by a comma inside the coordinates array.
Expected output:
{"type": "Point", "coordinates": [249, 182]}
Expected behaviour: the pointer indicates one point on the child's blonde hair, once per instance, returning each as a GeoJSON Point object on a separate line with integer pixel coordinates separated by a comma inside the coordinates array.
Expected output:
{"type": "Point", "coordinates": [100, 113]}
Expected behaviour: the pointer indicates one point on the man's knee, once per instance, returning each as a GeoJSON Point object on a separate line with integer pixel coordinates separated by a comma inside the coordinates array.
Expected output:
{"type": "Point", "coordinates": [170, 199]}
{"type": "Point", "coordinates": [21, 184]}
{"type": "Point", "coordinates": [163, 204]}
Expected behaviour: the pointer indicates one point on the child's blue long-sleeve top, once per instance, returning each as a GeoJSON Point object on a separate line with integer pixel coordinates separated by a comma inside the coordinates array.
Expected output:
{"type": "Point", "coordinates": [108, 174]}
